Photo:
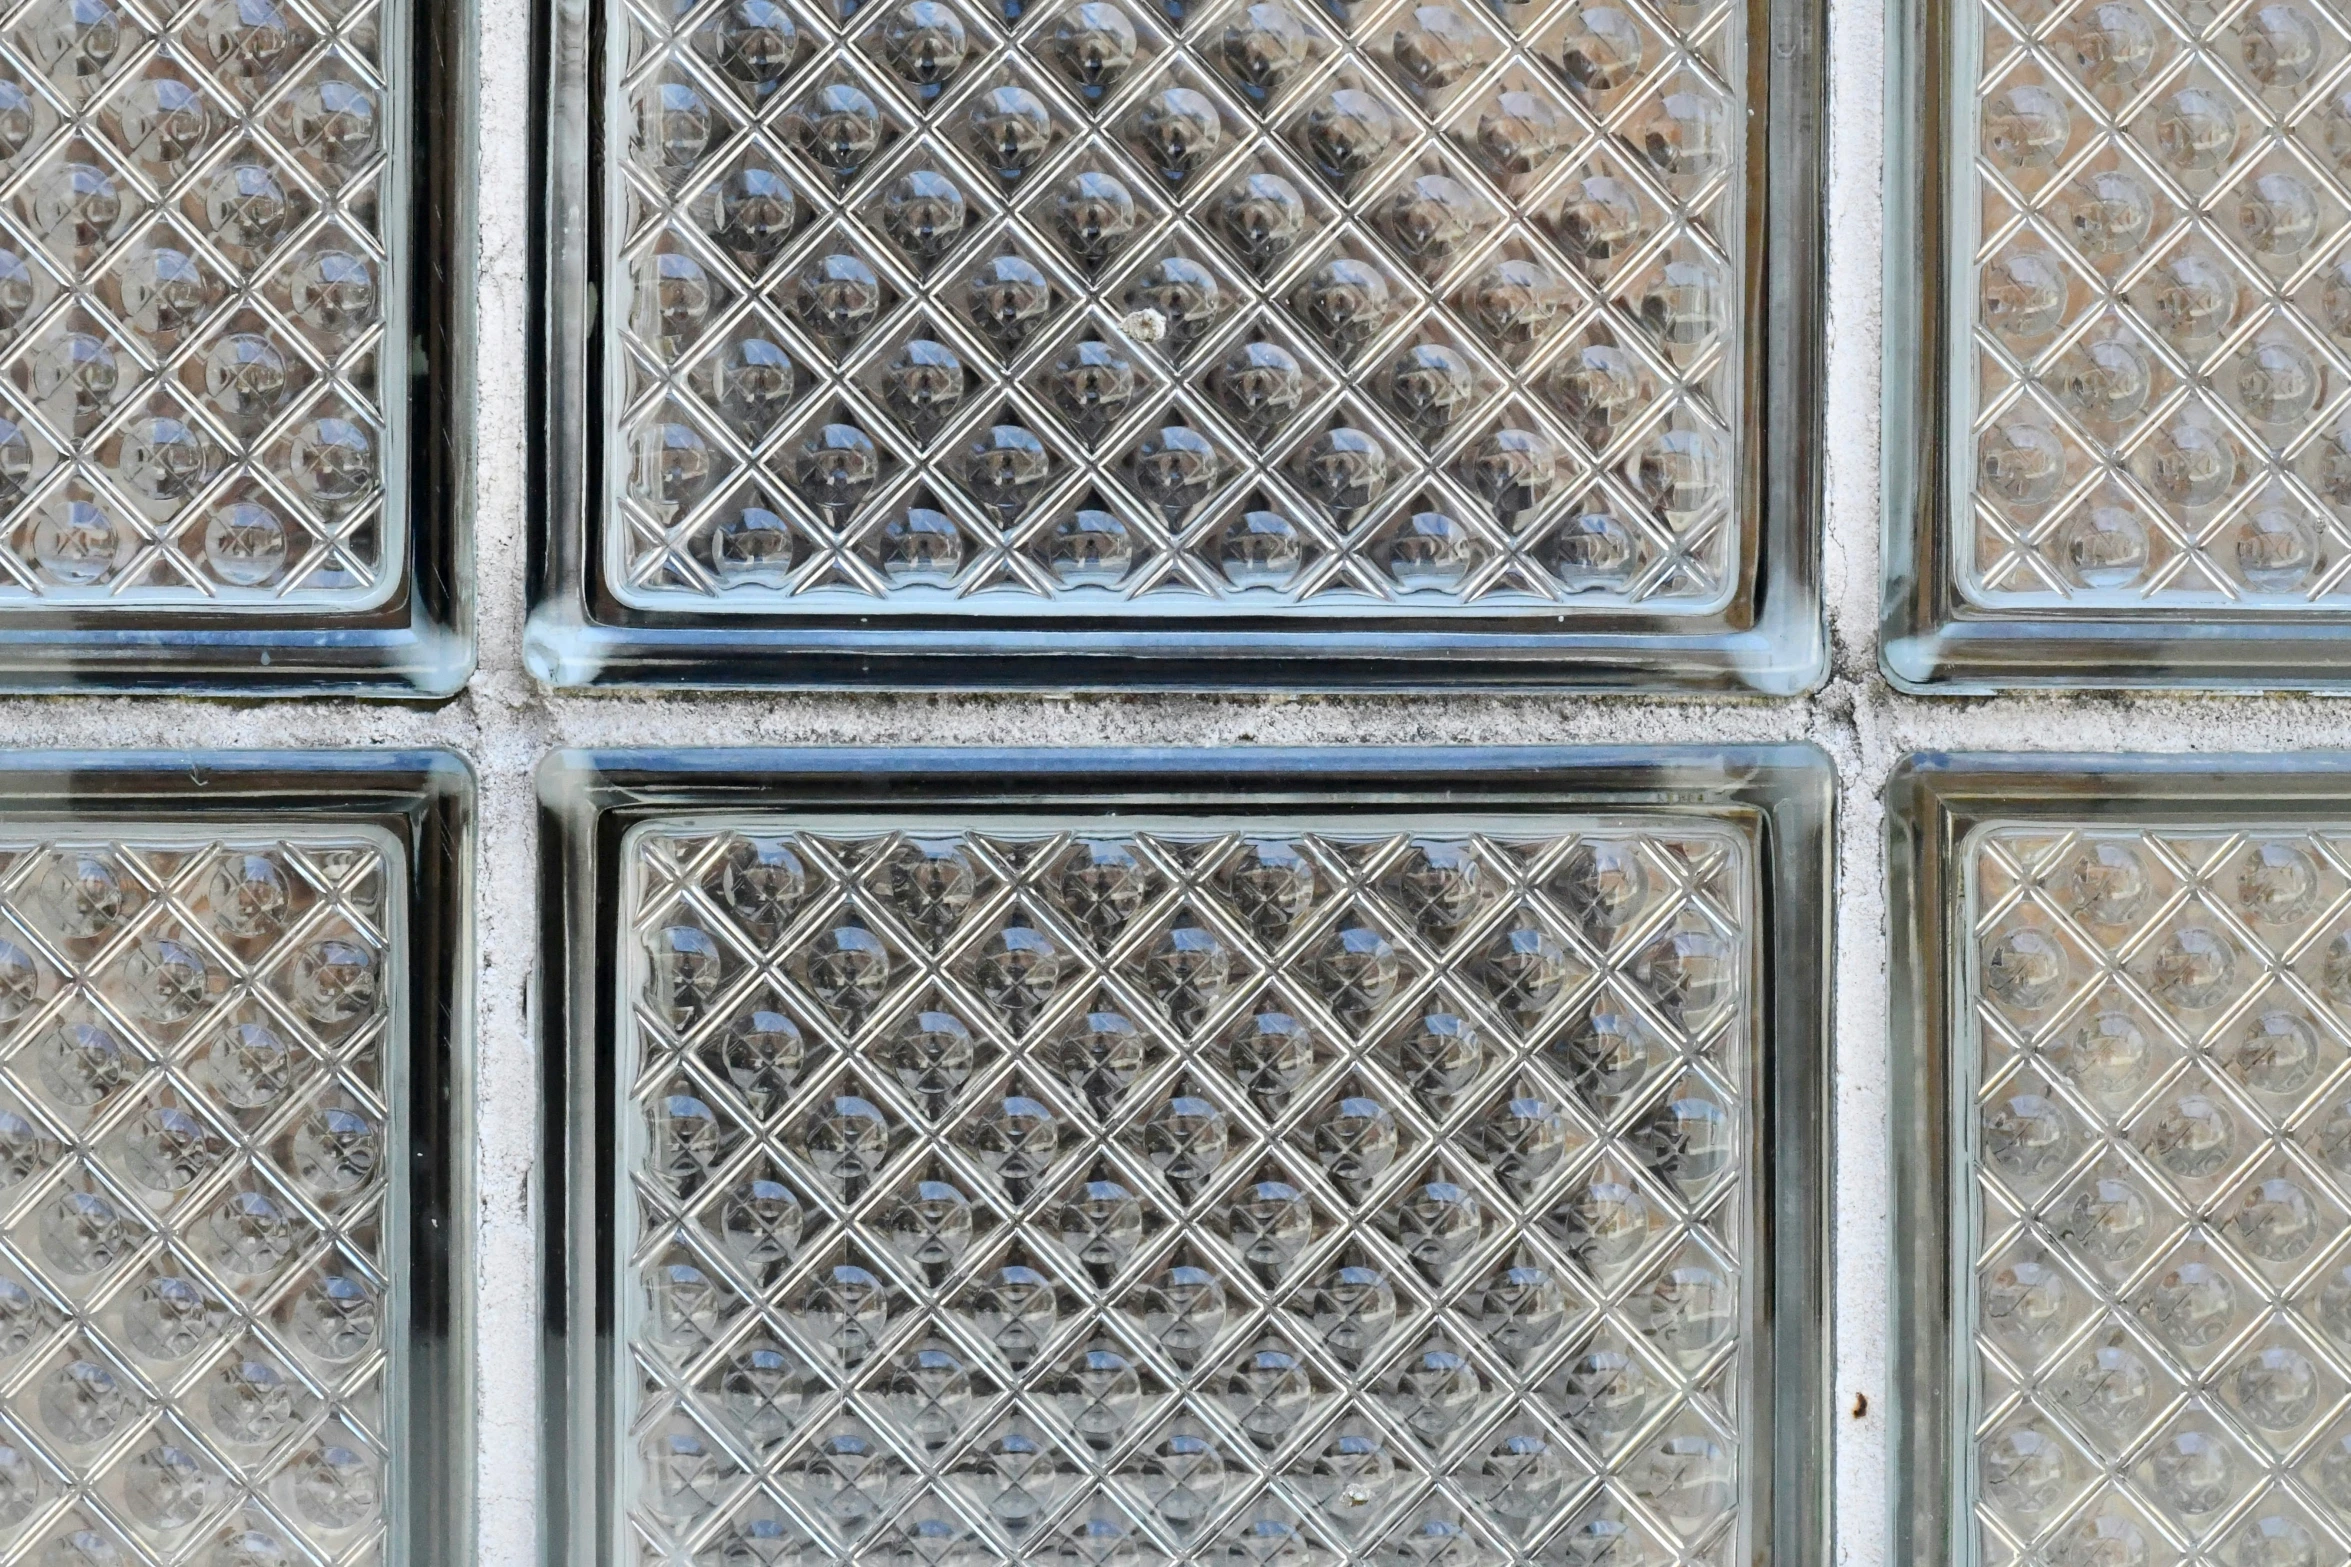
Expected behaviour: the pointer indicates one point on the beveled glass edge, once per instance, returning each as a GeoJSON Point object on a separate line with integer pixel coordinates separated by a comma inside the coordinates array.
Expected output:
{"type": "Point", "coordinates": [1931, 640]}
{"type": "Point", "coordinates": [1934, 803]}
{"type": "Point", "coordinates": [1773, 641]}
{"type": "Point", "coordinates": [589, 801]}
{"type": "Point", "coordinates": [419, 644]}
{"type": "Point", "coordinates": [424, 801]}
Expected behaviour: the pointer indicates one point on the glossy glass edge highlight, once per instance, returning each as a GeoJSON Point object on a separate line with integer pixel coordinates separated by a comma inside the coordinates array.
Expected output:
{"type": "Point", "coordinates": [1935, 802]}
{"type": "Point", "coordinates": [1931, 640]}
{"type": "Point", "coordinates": [1781, 796]}
{"type": "Point", "coordinates": [1771, 641]}
{"type": "Point", "coordinates": [424, 803]}
{"type": "Point", "coordinates": [419, 644]}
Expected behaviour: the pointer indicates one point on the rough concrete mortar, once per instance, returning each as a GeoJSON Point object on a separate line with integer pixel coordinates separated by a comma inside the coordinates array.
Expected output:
{"type": "Point", "coordinates": [505, 724]}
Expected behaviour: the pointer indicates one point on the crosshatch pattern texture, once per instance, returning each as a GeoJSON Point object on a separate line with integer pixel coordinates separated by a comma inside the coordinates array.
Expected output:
{"type": "Point", "coordinates": [1115, 1193]}
{"type": "Point", "coordinates": [195, 302]}
{"type": "Point", "coordinates": [2153, 237]}
{"type": "Point", "coordinates": [2156, 1232]}
{"type": "Point", "coordinates": [1112, 307]}
{"type": "Point", "coordinates": [199, 1171]}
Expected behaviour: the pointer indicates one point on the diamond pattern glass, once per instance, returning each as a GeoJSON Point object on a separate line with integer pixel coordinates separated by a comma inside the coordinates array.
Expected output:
{"type": "Point", "coordinates": [1091, 305]}
{"type": "Point", "coordinates": [202, 1241]}
{"type": "Point", "coordinates": [2150, 1235]}
{"type": "Point", "coordinates": [1107, 1189]}
{"type": "Point", "coordinates": [201, 207]}
{"type": "Point", "coordinates": [2152, 216]}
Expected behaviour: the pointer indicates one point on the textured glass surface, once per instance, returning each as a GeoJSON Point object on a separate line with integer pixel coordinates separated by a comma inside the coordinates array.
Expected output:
{"type": "Point", "coordinates": [2152, 1238]}
{"type": "Point", "coordinates": [1110, 307]}
{"type": "Point", "coordinates": [197, 287]}
{"type": "Point", "coordinates": [200, 1199]}
{"type": "Point", "coordinates": [1114, 1191]}
{"type": "Point", "coordinates": [2151, 232]}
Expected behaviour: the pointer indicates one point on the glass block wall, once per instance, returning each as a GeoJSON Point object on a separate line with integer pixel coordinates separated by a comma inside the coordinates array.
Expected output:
{"type": "Point", "coordinates": [203, 1221]}
{"type": "Point", "coordinates": [2148, 217]}
{"type": "Point", "coordinates": [1098, 307]}
{"type": "Point", "coordinates": [1115, 1190]}
{"type": "Point", "coordinates": [201, 211]}
{"type": "Point", "coordinates": [2149, 1232]}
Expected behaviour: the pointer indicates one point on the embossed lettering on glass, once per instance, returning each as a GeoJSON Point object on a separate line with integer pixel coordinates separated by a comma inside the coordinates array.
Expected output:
{"type": "Point", "coordinates": [2153, 1299]}
{"type": "Point", "coordinates": [199, 291]}
{"type": "Point", "coordinates": [203, 1232]}
{"type": "Point", "coordinates": [1116, 1190]}
{"type": "Point", "coordinates": [1226, 317]}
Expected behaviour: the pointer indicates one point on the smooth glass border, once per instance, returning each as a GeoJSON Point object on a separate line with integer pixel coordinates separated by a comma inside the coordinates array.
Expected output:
{"type": "Point", "coordinates": [420, 806]}
{"type": "Point", "coordinates": [589, 802]}
{"type": "Point", "coordinates": [1770, 640]}
{"type": "Point", "coordinates": [1935, 803]}
{"type": "Point", "coordinates": [1934, 639]}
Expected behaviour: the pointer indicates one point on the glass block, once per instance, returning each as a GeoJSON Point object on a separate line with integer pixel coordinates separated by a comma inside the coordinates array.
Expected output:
{"type": "Point", "coordinates": [225, 1319]}
{"type": "Point", "coordinates": [2142, 1232]}
{"type": "Point", "coordinates": [941, 326]}
{"type": "Point", "coordinates": [2132, 254]}
{"type": "Point", "coordinates": [210, 423]}
{"type": "Point", "coordinates": [1297, 1184]}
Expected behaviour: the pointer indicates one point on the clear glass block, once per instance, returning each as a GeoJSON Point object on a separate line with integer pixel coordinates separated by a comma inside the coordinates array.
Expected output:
{"type": "Point", "coordinates": [217, 1338]}
{"type": "Point", "coordinates": [2140, 286]}
{"type": "Point", "coordinates": [2143, 1249]}
{"type": "Point", "coordinates": [208, 245]}
{"type": "Point", "coordinates": [1283, 1185]}
{"type": "Point", "coordinates": [989, 322]}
